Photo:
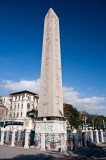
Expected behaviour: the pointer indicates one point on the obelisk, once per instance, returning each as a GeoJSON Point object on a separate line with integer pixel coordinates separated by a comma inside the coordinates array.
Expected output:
{"type": "Point", "coordinates": [51, 96]}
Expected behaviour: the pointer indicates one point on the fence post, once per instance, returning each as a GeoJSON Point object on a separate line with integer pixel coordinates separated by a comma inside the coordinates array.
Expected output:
{"type": "Point", "coordinates": [19, 134]}
{"type": "Point", "coordinates": [97, 136]}
{"type": "Point", "coordinates": [91, 135]}
{"type": "Point", "coordinates": [2, 136]}
{"type": "Point", "coordinates": [101, 135]}
{"type": "Point", "coordinates": [75, 141]}
{"type": "Point", "coordinates": [13, 138]}
{"type": "Point", "coordinates": [84, 138]}
{"type": "Point", "coordinates": [63, 143]}
{"type": "Point", "coordinates": [43, 141]}
{"type": "Point", "coordinates": [7, 136]}
{"type": "Point", "coordinates": [27, 139]}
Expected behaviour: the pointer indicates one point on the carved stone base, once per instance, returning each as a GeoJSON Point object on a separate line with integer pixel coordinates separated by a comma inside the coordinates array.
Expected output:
{"type": "Point", "coordinates": [50, 126]}
{"type": "Point", "coordinates": [52, 132]}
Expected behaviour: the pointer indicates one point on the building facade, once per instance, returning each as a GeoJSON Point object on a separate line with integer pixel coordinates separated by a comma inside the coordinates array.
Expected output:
{"type": "Point", "coordinates": [18, 104]}
{"type": "Point", "coordinates": [6, 101]}
{"type": "Point", "coordinates": [3, 111]}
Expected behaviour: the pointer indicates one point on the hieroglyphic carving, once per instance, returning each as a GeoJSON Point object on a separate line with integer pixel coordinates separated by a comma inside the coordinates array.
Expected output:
{"type": "Point", "coordinates": [52, 141]}
{"type": "Point", "coordinates": [50, 127]}
{"type": "Point", "coordinates": [57, 50]}
{"type": "Point", "coordinates": [48, 41]}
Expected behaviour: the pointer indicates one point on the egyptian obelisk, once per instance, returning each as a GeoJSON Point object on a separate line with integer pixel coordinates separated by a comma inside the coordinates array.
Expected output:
{"type": "Point", "coordinates": [51, 94]}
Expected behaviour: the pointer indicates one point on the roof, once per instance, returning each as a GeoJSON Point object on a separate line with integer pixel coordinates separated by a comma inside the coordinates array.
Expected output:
{"type": "Point", "coordinates": [5, 96]}
{"type": "Point", "coordinates": [23, 92]}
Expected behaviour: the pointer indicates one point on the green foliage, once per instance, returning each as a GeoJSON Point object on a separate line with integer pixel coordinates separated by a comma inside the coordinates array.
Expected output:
{"type": "Point", "coordinates": [95, 120]}
{"type": "Point", "coordinates": [33, 113]}
{"type": "Point", "coordinates": [99, 121]}
{"type": "Point", "coordinates": [72, 115]}
{"type": "Point", "coordinates": [75, 118]}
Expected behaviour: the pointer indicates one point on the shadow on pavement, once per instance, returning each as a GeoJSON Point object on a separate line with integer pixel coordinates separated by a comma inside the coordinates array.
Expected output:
{"type": "Point", "coordinates": [90, 153]}
{"type": "Point", "coordinates": [36, 157]}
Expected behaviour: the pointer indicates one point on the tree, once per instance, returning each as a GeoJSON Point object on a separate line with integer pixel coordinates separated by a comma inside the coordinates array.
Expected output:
{"type": "Point", "coordinates": [96, 120]}
{"type": "Point", "coordinates": [72, 115]}
{"type": "Point", "coordinates": [99, 121]}
{"type": "Point", "coordinates": [33, 113]}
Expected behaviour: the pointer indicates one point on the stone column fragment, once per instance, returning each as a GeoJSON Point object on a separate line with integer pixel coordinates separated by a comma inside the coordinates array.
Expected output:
{"type": "Point", "coordinates": [13, 138]}
{"type": "Point", "coordinates": [101, 135]}
{"type": "Point", "coordinates": [97, 136]}
{"type": "Point", "coordinates": [27, 139]}
{"type": "Point", "coordinates": [63, 143]}
{"type": "Point", "coordinates": [42, 141]}
{"type": "Point", "coordinates": [2, 136]}
{"type": "Point", "coordinates": [91, 135]}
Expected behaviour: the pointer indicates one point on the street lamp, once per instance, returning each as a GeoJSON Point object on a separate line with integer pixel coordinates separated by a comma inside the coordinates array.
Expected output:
{"type": "Point", "coordinates": [11, 120]}
{"type": "Point", "coordinates": [93, 124]}
{"type": "Point", "coordinates": [84, 119]}
{"type": "Point", "coordinates": [103, 124]}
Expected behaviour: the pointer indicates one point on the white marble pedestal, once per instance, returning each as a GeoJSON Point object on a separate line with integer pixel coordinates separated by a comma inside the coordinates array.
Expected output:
{"type": "Point", "coordinates": [51, 135]}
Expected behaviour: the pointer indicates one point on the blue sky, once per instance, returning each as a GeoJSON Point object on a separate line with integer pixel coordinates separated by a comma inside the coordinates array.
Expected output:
{"type": "Point", "coordinates": [83, 48]}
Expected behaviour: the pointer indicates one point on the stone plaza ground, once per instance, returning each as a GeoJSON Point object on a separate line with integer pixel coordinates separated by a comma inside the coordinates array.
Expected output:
{"type": "Point", "coordinates": [97, 152]}
{"type": "Point", "coordinates": [12, 153]}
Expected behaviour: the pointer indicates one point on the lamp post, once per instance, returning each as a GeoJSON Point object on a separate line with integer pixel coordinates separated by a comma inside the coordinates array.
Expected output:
{"type": "Point", "coordinates": [11, 120]}
{"type": "Point", "coordinates": [103, 124]}
{"type": "Point", "coordinates": [93, 124]}
{"type": "Point", "coordinates": [84, 119]}
{"type": "Point", "coordinates": [11, 113]}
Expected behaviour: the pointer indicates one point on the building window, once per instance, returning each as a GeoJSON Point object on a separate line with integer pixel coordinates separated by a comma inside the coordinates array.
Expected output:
{"type": "Point", "coordinates": [19, 97]}
{"type": "Point", "coordinates": [33, 98]}
{"type": "Point", "coordinates": [18, 106]}
{"type": "Point", "coordinates": [21, 114]}
{"type": "Point", "coordinates": [36, 100]}
{"type": "Point", "coordinates": [4, 100]}
{"type": "Point", "coordinates": [36, 107]}
{"type": "Point", "coordinates": [21, 106]}
{"type": "Point", "coordinates": [15, 107]}
{"type": "Point", "coordinates": [22, 97]}
{"type": "Point", "coordinates": [33, 106]}
{"type": "Point", "coordinates": [29, 98]}
{"type": "Point", "coordinates": [15, 98]}
{"type": "Point", "coordinates": [28, 106]}
{"type": "Point", "coordinates": [17, 114]}
{"type": "Point", "coordinates": [6, 112]}
{"type": "Point", "coordinates": [14, 115]}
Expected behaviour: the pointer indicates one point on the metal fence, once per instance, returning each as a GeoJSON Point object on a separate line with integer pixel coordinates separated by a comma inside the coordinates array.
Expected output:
{"type": "Point", "coordinates": [37, 140]}
{"type": "Point", "coordinates": [32, 138]}
{"type": "Point", "coordinates": [5, 135]}
{"type": "Point", "coordinates": [94, 137]}
{"type": "Point", "coordinates": [52, 141]}
{"type": "Point", "coordinates": [75, 141]}
{"type": "Point", "coordinates": [0, 135]}
{"type": "Point", "coordinates": [20, 138]}
{"type": "Point", "coordinates": [10, 138]}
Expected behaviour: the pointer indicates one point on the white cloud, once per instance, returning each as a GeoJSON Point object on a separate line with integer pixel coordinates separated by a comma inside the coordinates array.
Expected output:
{"type": "Point", "coordinates": [21, 85]}
{"type": "Point", "coordinates": [93, 103]}
{"type": "Point", "coordinates": [71, 95]}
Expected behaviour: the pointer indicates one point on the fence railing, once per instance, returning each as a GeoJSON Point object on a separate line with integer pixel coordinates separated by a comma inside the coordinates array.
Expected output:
{"type": "Point", "coordinates": [50, 141]}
